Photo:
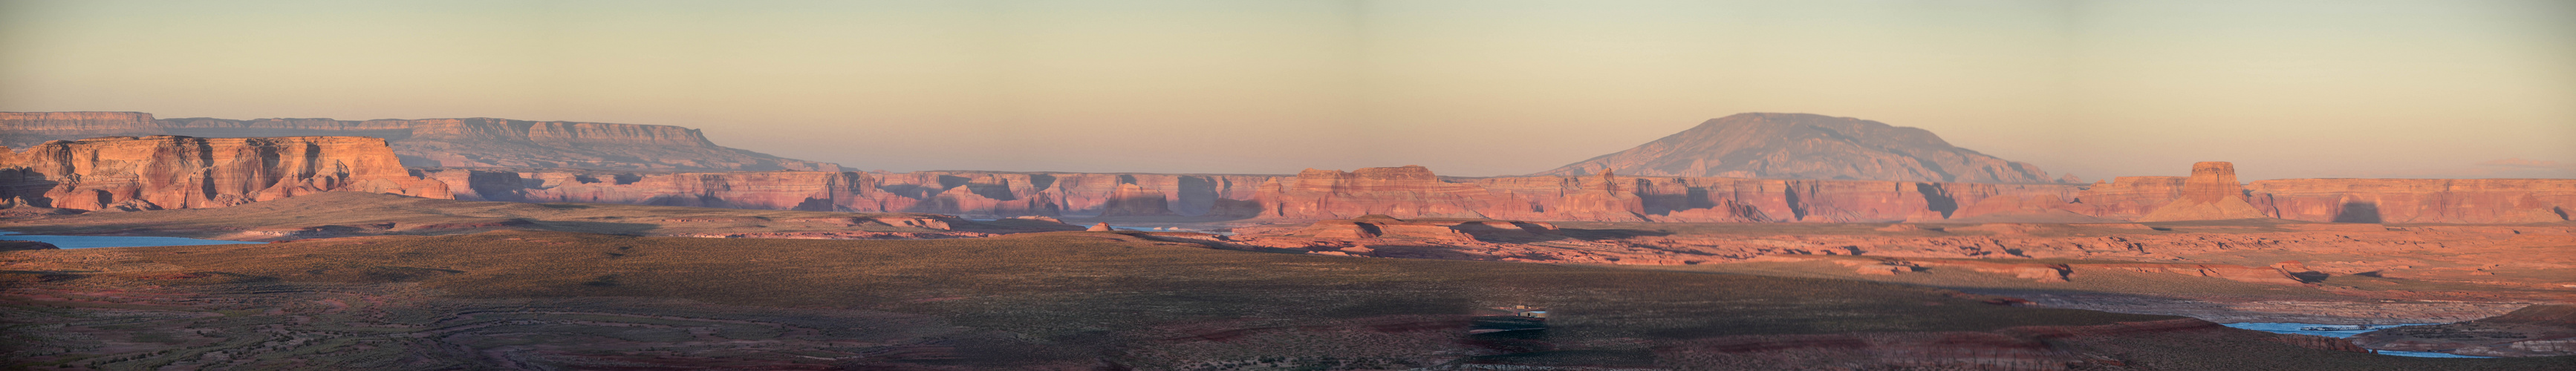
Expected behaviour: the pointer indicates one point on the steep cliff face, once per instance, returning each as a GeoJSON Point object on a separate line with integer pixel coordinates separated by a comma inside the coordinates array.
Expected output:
{"type": "Point", "coordinates": [2417, 200]}
{"type": "Point", "coordinates": [1403, 192]}
{"type": "Point", "coordinates": [1805, 146]}
{"type": "Point", "coordinates": [2128, 197]}
{"type": "Point", "coordinates": [1415, 192]}
{"type": "Point", "coordinates": [956, 193]}
{"type": "Point", "coordinates": [25, 129]}
{"type": "Point", "coordinates": [465, 142]}
{"type": "Point", "coordinates": [177, 172]}
{"type": "Point", "coordinates": [2211, 193]}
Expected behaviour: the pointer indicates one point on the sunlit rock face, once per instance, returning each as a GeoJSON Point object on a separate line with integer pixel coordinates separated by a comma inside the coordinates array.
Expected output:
{"type": "Point", "coordinates": [2416, 200]}
{"type": "Point", "coordinates": [177, 172]}
{"type": "Point", "coordinates": [450, 142]}
{"type": "Point", "coordinates": [2211, 193]}
{"type": "Point", "coordinates": [1416, 192]}
{"type": "Point", "coordinates": [1806, 146]}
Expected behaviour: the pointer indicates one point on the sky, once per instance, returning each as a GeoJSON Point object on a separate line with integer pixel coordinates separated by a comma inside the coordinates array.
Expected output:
{"type": "Point", "coordinates": [2285, 89]}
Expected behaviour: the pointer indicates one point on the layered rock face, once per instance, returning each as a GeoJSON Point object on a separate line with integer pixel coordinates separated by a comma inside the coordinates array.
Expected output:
{"type": "Point", "coordinates": [1805, 146]}
{"type": "Point", "coordinates": [24, 129]}
{"type": "Point", "coordinates": [177, 172]}
{"type": "Point", "coordinates": [1415, 192]}
{"type": "Point", "coordinates": [978, 194]}
{"type": "Point", "coordinates": [2211, 193]}
{"type": "Point", "coordinates": [2417, 200]}
{"type": "Point", "coordinates": [466, 142]}
{"type": "Point", "coordinates": [1404, 192]}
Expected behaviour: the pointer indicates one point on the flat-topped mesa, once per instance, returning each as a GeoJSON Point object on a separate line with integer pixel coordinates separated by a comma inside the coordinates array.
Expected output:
{"type": "Point", "coordinates": [442, 142]}
{"type": "Point", "coordinates": [2211, 193]}
{"type": "Point", "coordinates": [2417, 200]}
{"type": "Point", "coordinates": [1807, 146]}
{"type": "Point", "coordinates": [1411, 192]}
{"type": "Point", "coordinates": [1134, 200]}
{"type": "Point", "coordinates": [1407, 192]}
{"type": "Point", "coordinates": [178, 172]}
{"type": "Point", "coordinates": [23, 129]}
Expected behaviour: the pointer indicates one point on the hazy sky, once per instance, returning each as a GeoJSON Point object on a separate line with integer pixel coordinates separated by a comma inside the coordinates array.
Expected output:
{"type": "Point", "coordinates": [2286, 89]}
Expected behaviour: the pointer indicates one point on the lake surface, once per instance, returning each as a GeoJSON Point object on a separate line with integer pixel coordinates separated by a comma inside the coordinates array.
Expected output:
{"type": "Point", "coordinates": [2294, 328]}
{"type": "Point", "coordinates": [84, 242]}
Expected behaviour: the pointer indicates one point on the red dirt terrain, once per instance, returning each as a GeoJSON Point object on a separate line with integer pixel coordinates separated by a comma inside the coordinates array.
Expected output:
{"type": "Point", "coordinates": [1042, 301]}
{"type": "Point", "coordinates": [2236, 271]}
{"type": "Point", "coordinates": [2540, 330]}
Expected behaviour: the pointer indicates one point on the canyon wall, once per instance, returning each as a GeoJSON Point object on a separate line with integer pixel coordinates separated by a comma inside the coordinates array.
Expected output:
{"type": "Point", "coordinates": [177, 172]}
{"type": "Point", "coordinates": [458, 142]}
{"type": "Point", "coordinates": [1416, 192]}
{"type": "Point", "coordinates": [977, 194]}
{"type": "Point", "coordinates": [25, 129]}
{"type": "Point", "coordinates": [130, 173]}
{"type": "Point", "coordinates": [2417, 200]}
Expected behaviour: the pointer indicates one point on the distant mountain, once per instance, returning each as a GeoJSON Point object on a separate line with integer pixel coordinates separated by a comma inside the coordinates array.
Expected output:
{"type": "Point", "coordinates": [465, 142]}
{"type": "Point", "coordinates": [1806, 146]}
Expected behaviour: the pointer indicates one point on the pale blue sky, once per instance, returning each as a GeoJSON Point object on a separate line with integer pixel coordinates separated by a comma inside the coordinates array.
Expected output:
{"type": "Point", "coordinates": [2096, 88]}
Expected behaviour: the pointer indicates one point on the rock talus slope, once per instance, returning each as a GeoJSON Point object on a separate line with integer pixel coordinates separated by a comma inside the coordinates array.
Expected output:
{"type": "Point", "coordinates": [1806, 146]}
{"type": "Point", "coordinates": [451, 142]}
{"type": "Point", "coordinates": [177, 172]}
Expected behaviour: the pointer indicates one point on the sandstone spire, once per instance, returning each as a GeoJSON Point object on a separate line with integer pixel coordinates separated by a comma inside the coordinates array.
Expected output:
{"type": "Point", "coordinates": [2211, 193]}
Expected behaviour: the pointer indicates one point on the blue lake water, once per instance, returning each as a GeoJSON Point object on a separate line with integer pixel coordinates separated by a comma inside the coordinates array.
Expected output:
{"type": "Point", "coordinates": [84, 242]}
{"type": "Point", "coordinates": [2295, 328]}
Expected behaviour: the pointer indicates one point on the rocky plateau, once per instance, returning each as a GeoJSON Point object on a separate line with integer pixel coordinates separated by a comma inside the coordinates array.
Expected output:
{"type": "Point", "coordinates": [455, 142]}
{"type": "Point", "coordinates": [177, 172]}
{"type": "Point", "coordinates": [1806, 146]}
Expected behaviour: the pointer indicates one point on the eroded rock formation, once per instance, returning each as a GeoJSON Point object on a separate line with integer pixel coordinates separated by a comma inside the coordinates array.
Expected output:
{"type": "Point", "coordinates": [178, 172]}
{"type": "Point", "coordinates": [1415, 192]}
{"type": "Point", "coordinates": [1806, 146]}
{"type": "Point", "coordinates": [2417, 200]}
{"type": "Point", "coordinates": [2211, 193]}
{"type": "Point", "coordinates": [459, 142]}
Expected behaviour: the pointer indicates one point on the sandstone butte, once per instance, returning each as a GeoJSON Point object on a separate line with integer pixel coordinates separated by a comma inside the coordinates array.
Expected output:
{"type": "Point", "coordinates": [2211, 193]}
{"type": "Point", "coordinates": [1806, 146]}
{"type": "Point", "coordinates": [449, 142]}
{"type": "Point", "coordinates": [177, 172]}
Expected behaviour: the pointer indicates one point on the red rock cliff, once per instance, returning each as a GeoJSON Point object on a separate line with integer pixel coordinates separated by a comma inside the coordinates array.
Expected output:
{"type": "Point", "coordinates": [2211, 193]}
{"type": "Point", "coordinates": [1415, 192]}
{"type": "Point", "coordinates": [2417, 200]}
{"type": "Point", "coordinates": [24, 129]}
{"type": "Point", "coordinates": [461, 142]}
{"type": "Point", "coordinates": [176, 172]}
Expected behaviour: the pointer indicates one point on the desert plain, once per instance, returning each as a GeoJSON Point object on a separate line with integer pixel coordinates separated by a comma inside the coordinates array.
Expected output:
{"type": "Point", "coordinates": [549, 245]}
